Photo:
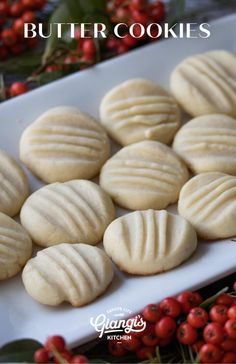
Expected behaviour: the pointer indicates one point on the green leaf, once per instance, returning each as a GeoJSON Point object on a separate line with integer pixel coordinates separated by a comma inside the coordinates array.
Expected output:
{"type": "Point", "coordinates": [19, 351]}
{"type": "Point", "coordinates": [63, 14]}
{"type": "Point", "coordinates": [2, 88]}
{"type": "Point", "coordinates": [176, 11]}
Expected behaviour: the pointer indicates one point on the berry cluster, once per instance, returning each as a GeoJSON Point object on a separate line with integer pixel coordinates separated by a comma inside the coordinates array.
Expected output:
{"type": "Point", "coordinates": [13, 16]}
{"type": "Point", "coordinates": [209, 332]}
{"type": "Point", "coordinates": [55, 351]}
{"type": "Point", "coordinates": [131, 12]}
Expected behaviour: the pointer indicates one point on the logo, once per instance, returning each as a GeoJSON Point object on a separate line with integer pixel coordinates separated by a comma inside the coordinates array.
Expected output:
{"type": "Point", "coordinates": [115, 326]}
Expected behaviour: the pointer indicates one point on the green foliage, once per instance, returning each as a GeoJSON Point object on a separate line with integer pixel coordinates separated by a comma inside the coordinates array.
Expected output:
{"type": "Point", "coordinates": [19, 351]}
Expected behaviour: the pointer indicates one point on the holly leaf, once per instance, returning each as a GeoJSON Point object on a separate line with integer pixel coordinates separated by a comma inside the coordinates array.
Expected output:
{"type": "Point", "coordinates": [2, 88]}
{"type": "Point", "coordinates": [66, 12]}
{"type": "Point", "coordinates": [19, 351]}
{"type": "Point", "coordinates": [176, 11]}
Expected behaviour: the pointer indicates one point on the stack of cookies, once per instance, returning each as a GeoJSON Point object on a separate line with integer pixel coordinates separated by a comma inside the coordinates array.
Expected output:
{"type": "Point", "coordinates": [160, 163]}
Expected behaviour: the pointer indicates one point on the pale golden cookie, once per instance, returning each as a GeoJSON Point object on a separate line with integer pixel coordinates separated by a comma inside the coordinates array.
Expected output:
{"type": "Point", "coordinates": [14, 186]}
{"type": "Point", "coordinates": [206, 83]}
{"type": "Point", "coordinates": [208, 144]}
{"type": "Point", "coordinates": [138, 110]}
{"type": "Point", "coordinates": [78, 274]}
{"type": "Point", "coordinates": [208, 202]}
{"type": "Point", "coordinates": [144, 175]}
{"type": "Point", "coordinates": [64, 144]}
{"type": "Point", "coordinates": [77, 211]}
{"type": "Point", "coordinates": [149, 242]}
{"type": "Point", "coordinates": [15, 247]}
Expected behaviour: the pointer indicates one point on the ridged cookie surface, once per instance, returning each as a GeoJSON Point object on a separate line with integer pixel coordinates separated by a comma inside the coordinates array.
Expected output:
{"type": "Point", "coordinates": [208, 143]}
{"type": "Point", "coordinates": [77, 211]}
{"type": "Point", "coordinates": [15, 247]}
{"type": "Point", "coordinates": [64, 144]}
{"type": "Point", "coordinates": [206, 83]}
{"type": "Point", "coordinates": [208, 202]}
{"type": "Point", "coordinates": [139, 109]}
{"type": "Point", "coordinates": [144, 175]}
{"type": "Point", "coordinates": [14, 186]}
{"type": "Point", "coordinates": [76, 273]}
{"type": "Point", "coordinates": [149, 242]}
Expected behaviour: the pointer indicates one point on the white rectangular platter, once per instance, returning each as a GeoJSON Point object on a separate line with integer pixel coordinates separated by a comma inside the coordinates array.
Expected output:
{"type": "Point", "coordinates": [21, 316]}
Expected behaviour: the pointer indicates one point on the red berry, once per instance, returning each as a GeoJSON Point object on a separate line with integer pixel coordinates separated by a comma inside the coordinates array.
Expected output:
{"type": "Point", "coordinates": [164, 342]}
{"type": "Point", "coordinates": [32, 42]}
{"type": "Point", "coordinates": [210, 353]}
{"type": "Point", "coordinates": [9, 37]}
{"type": "Point", "coordinates": [140, 17]}
{"type": "Point", "coordinates": [229, 358]}
{"type": "Point", "coordinates": [28, 17]}
{"type": "Point", "coordinates": [147, 352]}
{"type": "Point", "coordinates": [186, 334]}
{"type": "Point", "coordinates": [188, 300]}
{"type": "Point", "coordinates": [152, 313]}
{"type": "Point", "coordinates": [18, 26]}
{"type": "Point", "coordinates": [137, 4]}
{"type": "Point", "coordinates": [28, 4]}
{"type": "Point", "coordinates": [198, 298]}
{"type": "Point", "coordinates": [88, 47]}
{"type": "Point", "coordinates": [112, 43]}
{"type": "Point", "coordinates": [39, 4]}
{"type": "Point", "coordinates": [197, 317]}
{"type": "Point", "coordinates": [67, 355]}
{"type": "Point", "coordinates": [218, 313]}
{"type": "Point", "coordinates": [170, 307]}
{"type": "Point", "coordinates": [18, 88]}
{"type": "Point", "coordinates": [116, 348]}
{"type": "Point", "coordinates": [230, 328]}
{"type": "Point", "coordinates": [196, 347]}
{"type": "Point", "coordinates": [71, 59]}
{"type": "Point", "coordinates": [122, 48]}
{"type": "Point", "coordinates": [150, 338]}
{"type": "Point", "coordinates": [132, 344]}
{"type": "Point", "coordinates": [41, 356]}
{"type": "Point", "coordinates": [232, 312]}
{"type": "Point", "coordinates": [129, 41]}
{"type": "Point", "coordinates": [55, 342]}
{"type": "Point", "coordinates": [214, 333]}
{"type": "Point", "coordinates": [52, 68]}
{"type": "Point", "coordinates": [122, 15]}
{"type": "Point", "coordinates": [234, 286]}
{"type": "Point", "coordinates": [157, 10]}
{"type": "Point", "coordinates": [224, 299]}
{"type": "Point", "coordinates": [4, 9]}
{"type": "Point", "coordinates": [229, 345]}
{"type": "Point", "coordinates": [166, 327]}
{"type": "Point", "coordinates": [17, 48]}
{"type": "Point", "coordinates": [16, 9]}
{"type": "Point", "coordinates": [3, 53]}
{"type": "Point", "coordinates": [79, 359]}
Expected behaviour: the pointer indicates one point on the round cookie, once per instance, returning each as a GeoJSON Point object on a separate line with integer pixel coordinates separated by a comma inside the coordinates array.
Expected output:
{"type": "Point", "coordinates": [208, 144]}
{"type": "Point", "coordinates": [144, 175]}
{"type": "Point", "coordinates": [14, 187]}
{"type": "Point", "coordinates": [78, 274]}
{"type": "Point", "coordinates": [208, 202]}
{"type": "Point", "coordinates": [138, 110]}
{"type": "Point", "coordinates": [206, 83]}
{"type": "Point", "coordinates": [77, 211]}
{"type": "Point", "coordinates": [15, 247]}
{"type": "Point", "coordinates": [149, 242]}
{"type": "Point", "coordinates": [64, 144]}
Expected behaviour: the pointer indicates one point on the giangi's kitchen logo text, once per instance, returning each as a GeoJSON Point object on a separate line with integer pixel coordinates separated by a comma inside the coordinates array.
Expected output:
{"type": "Point", "coordinates": [115, 326]}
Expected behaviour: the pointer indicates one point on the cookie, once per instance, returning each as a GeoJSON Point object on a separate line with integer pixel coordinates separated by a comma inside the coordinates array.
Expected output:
{"type": "Point", "coordinates": [78, 274]}
{"type": "Point", "coordinates": [139, 110]}
{"type": "Point", "coordinates": [64, 144]}
{"type": "Point", "coordinates": [14, 187]}
{"type": "Point", "coordinates": [15, 247]}
{"type": "Point", "coordinates": [208, 202]}
{"type": "Point", "coordinates": [144, 175]}
{"type": "Point", "coordinates": [206, 83]}
{"type": "Point", "coordinates": [149, 242]}
{"type": "Point", "coordinates": [77, 211]}
{"type": "Point", "coordinates": [208, 144]}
